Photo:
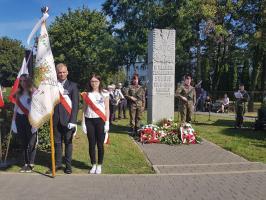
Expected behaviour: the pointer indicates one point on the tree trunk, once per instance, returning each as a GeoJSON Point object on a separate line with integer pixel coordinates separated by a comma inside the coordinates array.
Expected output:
{"type": "Point", "coordinates": [255, 74]}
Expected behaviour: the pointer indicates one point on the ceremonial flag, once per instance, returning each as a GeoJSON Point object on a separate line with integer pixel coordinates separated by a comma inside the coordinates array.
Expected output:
{"type": "Point", "coordinates": [1, 98]}
{"type": "Point", "coordinates": [23, 70]}
{"type": "Point", "coordinates": [46, 95]}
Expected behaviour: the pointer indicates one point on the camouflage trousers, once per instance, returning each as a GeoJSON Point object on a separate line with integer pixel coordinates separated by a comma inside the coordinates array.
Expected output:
{"type": "Point", "coordinates": [135, 115]}
{"type": "Point", "coordinates": [186, 111]}
{"type": "Point", "coordinates": [240, 111]}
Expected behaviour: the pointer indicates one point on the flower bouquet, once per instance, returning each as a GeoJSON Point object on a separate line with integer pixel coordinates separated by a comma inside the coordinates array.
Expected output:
{"type": "Point", "coordinates": [169, 132]}
{"type": "Point", "coordinates": [188, 134]}
{"type": "Point", "coordinates": [149, 134]}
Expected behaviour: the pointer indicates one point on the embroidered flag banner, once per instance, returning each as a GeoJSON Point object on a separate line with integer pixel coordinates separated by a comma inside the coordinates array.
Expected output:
{"type": "Point", "coordinates": [1, 98]}
{"type": "Point", "coordinates": [23, 70]}
{"type": "Point", "coordinates": [46, 95]}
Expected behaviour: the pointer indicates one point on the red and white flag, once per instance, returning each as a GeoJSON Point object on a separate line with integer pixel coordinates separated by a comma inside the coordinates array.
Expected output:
{"type": "Point", "coordinates": [1, 98]}
{"type": "Point", "coordinates": [46, 95]}
{"type": "Point", "coordinates": [23, 70]}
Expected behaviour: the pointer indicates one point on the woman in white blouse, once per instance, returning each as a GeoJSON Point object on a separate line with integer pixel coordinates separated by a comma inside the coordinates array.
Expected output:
{"type": "Point", "coordinates": [96, 112]}
{"type": "Point", "coordinates": [224, 104]}
{"type": "Point", "coordinates": [20, 123]}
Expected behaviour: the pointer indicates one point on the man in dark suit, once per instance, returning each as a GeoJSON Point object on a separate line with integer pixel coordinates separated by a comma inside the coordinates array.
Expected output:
{"type": "Point", "coordinates": [65, 118]}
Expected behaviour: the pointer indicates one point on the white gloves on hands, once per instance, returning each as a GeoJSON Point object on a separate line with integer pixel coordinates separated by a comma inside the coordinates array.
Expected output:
{"type": "Point", "coordinates": [71, 126]}
{"type": "Point", "coordinates": [106, 126]}
{"type": "Point", "coordinates": [14, 127]}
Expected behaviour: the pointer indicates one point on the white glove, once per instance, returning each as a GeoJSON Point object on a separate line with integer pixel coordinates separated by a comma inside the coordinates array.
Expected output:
{"type": "Point", "coordinates": [70, 126]}
{"type": "Point", "coordinates": [33, 130]}
{"type": "Point", "coordinates": [14, 127]}
{"type": "Point", "coordinates": [106, 126]}
{"type": "Point", "coordinates": [84, 128]}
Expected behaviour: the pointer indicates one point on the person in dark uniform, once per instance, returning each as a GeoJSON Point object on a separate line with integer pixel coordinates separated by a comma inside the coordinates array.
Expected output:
{"type": "Point", "coordinates": [64, 121]}
{"type": "Point", "coordinates": [122, 105]}
{"type": "Point", "coordinates": [242, 98]}
{"type": "Point", "coordinates": [187, 96]}
{"type": "Point", "coordinates": [20, 122]}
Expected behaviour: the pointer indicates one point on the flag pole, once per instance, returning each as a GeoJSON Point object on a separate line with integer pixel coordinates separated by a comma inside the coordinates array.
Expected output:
{"type": "Point", "coordinates": [8, 143]}
{"type": "Point", "coordinates": [52, 145]}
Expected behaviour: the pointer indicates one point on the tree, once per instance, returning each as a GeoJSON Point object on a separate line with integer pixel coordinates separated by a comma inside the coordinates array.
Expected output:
{"type": "Point", "coordinates": [11, 57]}
{"type": "Point", "coordinates": [245, 75]}
{"type": "Point", "coordinates": [81, 39]}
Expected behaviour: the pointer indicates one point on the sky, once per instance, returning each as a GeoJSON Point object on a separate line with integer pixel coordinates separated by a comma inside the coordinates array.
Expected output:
{"type": "Point", "coordinates": [18, 17]}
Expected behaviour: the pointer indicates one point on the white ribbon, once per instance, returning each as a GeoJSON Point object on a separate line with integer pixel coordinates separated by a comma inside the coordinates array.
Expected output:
{"type": "Point", "coordinates": [37, 26]}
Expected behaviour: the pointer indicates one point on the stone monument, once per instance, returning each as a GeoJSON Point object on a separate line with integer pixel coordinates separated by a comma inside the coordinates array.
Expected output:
{"type": "Point", "coordinates": [161, 74]}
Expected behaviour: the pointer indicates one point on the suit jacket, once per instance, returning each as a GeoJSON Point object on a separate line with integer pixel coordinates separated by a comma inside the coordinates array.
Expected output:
{"type": "Point", "coordinates": [60, 114]}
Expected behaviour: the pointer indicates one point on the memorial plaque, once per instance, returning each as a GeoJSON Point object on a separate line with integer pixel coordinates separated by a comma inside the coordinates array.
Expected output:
{"type": "Point", "coordinates": [161, 74]}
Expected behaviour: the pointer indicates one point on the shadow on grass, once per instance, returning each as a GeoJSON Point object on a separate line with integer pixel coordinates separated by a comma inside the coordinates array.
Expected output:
{"type": "Point", "coordinates": [245, 133]}
{"type": "Point", "coordinates": [119, 129]}
{"type": "Point", "coordinates": [224, 122]}
{"type": "Point", "coordinates": [229, 130]}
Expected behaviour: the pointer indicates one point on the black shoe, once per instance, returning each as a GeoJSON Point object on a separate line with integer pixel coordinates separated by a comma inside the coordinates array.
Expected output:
{"type": "Point", "coordinates": [56, 170]}
{"type": "Point", "coordinates": [68, 171]}
{"type": "Point", "coordinates": [131, 130]}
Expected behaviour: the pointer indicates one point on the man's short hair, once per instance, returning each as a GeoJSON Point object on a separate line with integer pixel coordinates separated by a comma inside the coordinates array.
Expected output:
{"type": "Point", "coordinates": [241, 84]}
{"type": "Point", "coordinates": [60, 65]}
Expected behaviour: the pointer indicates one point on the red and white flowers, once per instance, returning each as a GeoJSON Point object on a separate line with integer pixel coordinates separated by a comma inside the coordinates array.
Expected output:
{"type": "Point", "coordinates": [168, 132]}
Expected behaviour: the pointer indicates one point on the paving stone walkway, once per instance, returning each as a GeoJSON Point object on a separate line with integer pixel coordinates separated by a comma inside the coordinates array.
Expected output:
{"type": "Point", "coordinates": [186, 172]}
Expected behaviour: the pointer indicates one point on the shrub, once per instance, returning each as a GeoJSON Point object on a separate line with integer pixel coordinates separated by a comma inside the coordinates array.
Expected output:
{"type": "Point", "coordinates": [44, 138]}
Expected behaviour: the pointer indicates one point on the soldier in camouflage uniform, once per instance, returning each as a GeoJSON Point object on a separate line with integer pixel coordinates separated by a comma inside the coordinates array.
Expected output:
{"type": "Point", "coordinates": [241, 106]}
{"type": "Point", "coordinates": [136, 100]}
{"type": "Point", "coordinates": [187, 99]}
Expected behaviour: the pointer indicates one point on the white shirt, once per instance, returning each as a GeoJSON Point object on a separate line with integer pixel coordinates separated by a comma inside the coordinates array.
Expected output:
{"type": "Point", "coordinates": [118, 93]}
{"type": "Point", "coordinates": [226, 101]}
{"type": "Point", "coordinates": [98, 100]}
{"type": "Point", "coordinates": [25, 101]}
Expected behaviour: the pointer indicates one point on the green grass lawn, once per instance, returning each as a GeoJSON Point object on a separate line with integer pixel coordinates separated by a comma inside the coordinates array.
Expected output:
{"type": "Point", "coordinates": [245, 142]}
{"type": "Point", "coordinates": [122, 155]}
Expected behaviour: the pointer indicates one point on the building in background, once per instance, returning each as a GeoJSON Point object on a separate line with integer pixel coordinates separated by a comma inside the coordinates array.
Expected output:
{"type": "Point", "coordinates": [140, 67]}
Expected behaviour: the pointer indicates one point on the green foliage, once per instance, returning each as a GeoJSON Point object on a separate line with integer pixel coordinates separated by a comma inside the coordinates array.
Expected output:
{"type": "Point", "coordinates": [81, 39]}
{"type": "Point", "coordinates": [44, 143]}
{"type": "Point", "coordinates": [234, 77]}
{"type": "Point", "coordinates": [118, 77]}
{"type": "Point", "coordinates": [245, 74]}
{"type": "Point", "coordinates": [11, 57]}
{"type": "Point", "coordinates": [171, 139]}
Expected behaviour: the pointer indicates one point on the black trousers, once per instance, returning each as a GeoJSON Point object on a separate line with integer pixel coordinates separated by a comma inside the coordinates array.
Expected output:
{"type": "Point", "coordinates": [112, 109]}
{"type": "Point", "coordinates": [63, 134]}
{"type": "Point", "coordinates": [96, 135]}
{"type": "Point", "coordinates": [122, 106]}
{"type": "Point", "coordinates": [29, 139]}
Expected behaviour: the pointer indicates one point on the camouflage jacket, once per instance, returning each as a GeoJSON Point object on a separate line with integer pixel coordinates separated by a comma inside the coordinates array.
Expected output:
{"type": "Point", "coordinates": [137, 92]}
{"type": "Point", "coordinates": [189, 93]}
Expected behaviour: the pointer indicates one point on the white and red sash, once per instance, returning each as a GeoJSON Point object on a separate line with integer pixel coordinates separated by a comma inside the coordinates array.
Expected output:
{"type": "Point", "coordinates": [97, 110]}
{"type": "Point", "coordinates": [89, 102]}
{"type": "Point", "coordinates": [22, 107]}
{"type": "Point", "coordinates": [64, 99]}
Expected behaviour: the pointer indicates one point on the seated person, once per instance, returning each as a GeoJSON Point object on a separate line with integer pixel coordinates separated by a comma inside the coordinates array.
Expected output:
{"type": "Point", "coordinates": [224, 104]}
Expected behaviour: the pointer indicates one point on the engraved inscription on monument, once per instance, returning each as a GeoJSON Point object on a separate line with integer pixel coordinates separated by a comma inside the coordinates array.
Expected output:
{"type": "Point", "coordinates": [161, 67]}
